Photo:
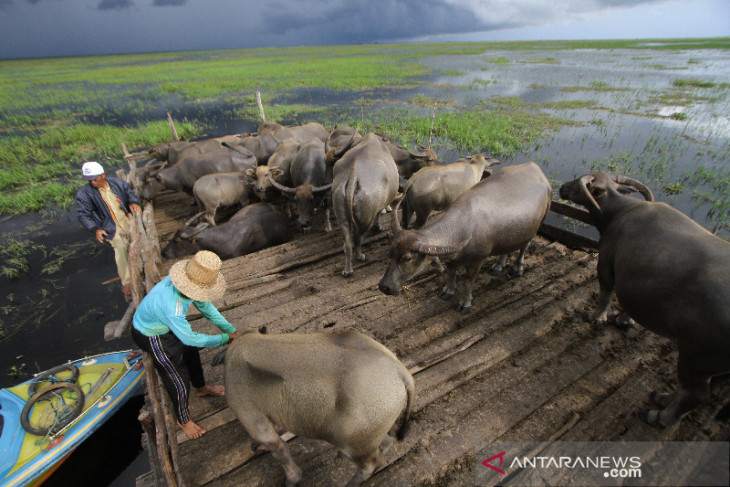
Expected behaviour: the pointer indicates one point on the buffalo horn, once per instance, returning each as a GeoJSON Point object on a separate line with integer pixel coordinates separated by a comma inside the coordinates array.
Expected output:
{"type": "Point", "coordinates": [281, 187]}
{"type": "Point", "coordinates": [193, 218]}
{"type": "Point", "coordinates": [396, 226]}
{"type": "Point", "coordinates": [584, 182]}
{"type": "Point", "coordinates": [335, 153]}
{"type": "Point", "coordinates": [640, 187]}
{"type": "Point", "coordinates": [318, 189]}
{"type": "Point", "coordinates": [429, 249]}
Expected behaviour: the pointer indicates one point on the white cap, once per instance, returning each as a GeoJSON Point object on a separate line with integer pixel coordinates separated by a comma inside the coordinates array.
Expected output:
{"type": "Point", "coordinates": [90, 170]}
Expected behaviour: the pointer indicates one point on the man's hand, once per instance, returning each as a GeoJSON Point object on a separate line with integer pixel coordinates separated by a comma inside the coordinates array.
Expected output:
{"type": "Point", "coordinates": [135, 208]}
{"type": "Point", "coordinates": [100, 234]}
{"type": "Point", "coordinates": [231, 336]}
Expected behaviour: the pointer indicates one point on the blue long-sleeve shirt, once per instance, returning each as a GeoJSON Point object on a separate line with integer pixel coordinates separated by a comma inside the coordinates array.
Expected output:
{"type": "Point", "coordinates": [163, 310]}
{"type": "Point", "coordinates": [93, 213]}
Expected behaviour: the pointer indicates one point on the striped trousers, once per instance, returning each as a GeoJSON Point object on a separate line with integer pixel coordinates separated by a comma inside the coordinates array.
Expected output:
{"type": "Point", "coordinates": [178, 365]}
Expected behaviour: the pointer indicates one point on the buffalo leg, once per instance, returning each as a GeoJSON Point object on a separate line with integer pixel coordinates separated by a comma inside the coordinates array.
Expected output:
{"type": "Point", "coordinates": [262, 431]}
{"type": "Point", "coordinates": [496, 269]}
{"type": "Point", "coordinates": [347, 247]}
{"type": "Point", "coordinates": [327, 224]}
{"type": "Point", "coordinates": [466, 297]}
{"type": "Point", "coordinates": [368, 464]}
{"type": "Point", "coordinates": [694, 389]}
{"type": "Point", "coordinates": [605, 283]}
{"type": "Point", "coordinates": [600, 316]}
{"type": "Point", "coordinates": [518, 268]}
{"type": "Point", "coordinates": [447, 292]}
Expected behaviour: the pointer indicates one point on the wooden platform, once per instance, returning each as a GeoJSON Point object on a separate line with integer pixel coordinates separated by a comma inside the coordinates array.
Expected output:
{"type": "Point", "coordinates": [523, 366]}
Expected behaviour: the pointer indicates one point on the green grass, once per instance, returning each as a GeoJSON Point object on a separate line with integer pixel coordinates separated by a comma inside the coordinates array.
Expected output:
{"type": "Point", "coordinates": [59, 112]}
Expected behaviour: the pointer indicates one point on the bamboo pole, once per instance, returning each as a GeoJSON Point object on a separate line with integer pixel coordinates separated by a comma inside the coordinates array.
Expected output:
{"type": "Point", "coordinates": [172, 127]}
{"type": "Point", "coordinates": [261, 106]}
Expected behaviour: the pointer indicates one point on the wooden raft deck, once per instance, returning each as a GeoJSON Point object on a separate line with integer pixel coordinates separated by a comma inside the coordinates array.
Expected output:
{"type": "Point", "coordinates": [522, 366]}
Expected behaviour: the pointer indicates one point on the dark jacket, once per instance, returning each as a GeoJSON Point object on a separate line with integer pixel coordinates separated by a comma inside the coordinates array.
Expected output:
{"type": "Point", "coordinates": [93, 213]}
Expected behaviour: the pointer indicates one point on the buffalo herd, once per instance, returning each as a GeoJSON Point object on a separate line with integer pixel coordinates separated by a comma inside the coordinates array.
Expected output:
{"type": "Point", "coordinates": [670, 275]}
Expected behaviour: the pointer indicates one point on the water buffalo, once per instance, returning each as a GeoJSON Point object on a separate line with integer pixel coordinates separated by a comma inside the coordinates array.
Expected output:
{"type": "Point", "coordinates": [436, 187]}
{"type": "Point", "coordinates": [343, 387]}
{"type": "Point", "coordinates": [496, 216]}
{"type": "Point", "coordinates": [408, 162]}
{"type": "Point", "coordinates": [262, 146]}
{"type": "Point", "coordinates": [365, 181]}
{"type": "Point", "coordinates": [221, 189]}
{"type": "Point", "coordinates": [182, 176]}
{"type": "Point", "coordinates": [340, 137]}
{"type": "Point", "coordinates": [311, 181]}
{"type": "Point", "coordinates": [301, 133]}
{"type": "Point", "coordinates": [282, 158]}
{"type": "Point", "coordinates": [174, 151]}
{"type": "Point", "coordinates": [670, 275]}
{"type": "Point", "coordinates": [254, 227]}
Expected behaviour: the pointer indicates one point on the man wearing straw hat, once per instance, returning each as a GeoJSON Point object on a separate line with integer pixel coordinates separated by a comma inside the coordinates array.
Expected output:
{"type": "Point", "coordinates": [103, 206]}
{"type": "Point", "coordinates": [160, 328]}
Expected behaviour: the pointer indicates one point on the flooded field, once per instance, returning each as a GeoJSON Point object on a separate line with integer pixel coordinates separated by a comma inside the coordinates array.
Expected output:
{"type": "Point", "coordinates": [660, 116]}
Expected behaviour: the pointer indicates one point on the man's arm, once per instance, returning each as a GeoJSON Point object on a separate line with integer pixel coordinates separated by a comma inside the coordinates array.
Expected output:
{"type": "Point", "coordinates": [214, 316]}
{"type": "Point", "coordinates": [181, 328]}
{"type": "Point", "coordinates": [84, 210]}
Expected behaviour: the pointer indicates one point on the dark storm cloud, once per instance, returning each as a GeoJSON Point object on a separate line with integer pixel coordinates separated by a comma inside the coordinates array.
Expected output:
{"type": "Point", "coordinates": [169, 3]}
{"type": "Point", "coordinates": [35, 28]}
{"type": "Point", "coordinates": [349, 22]}
{"type": "Point", "coordinates": [114, 4]}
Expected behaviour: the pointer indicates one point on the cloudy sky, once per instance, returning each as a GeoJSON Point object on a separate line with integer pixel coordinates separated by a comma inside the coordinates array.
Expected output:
{"type": "Point", "coordinates": [41, 28]}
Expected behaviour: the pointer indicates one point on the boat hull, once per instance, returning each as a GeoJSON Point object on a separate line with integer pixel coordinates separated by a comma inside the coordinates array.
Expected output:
{"type": "Point", "coordinates": [108, 381]}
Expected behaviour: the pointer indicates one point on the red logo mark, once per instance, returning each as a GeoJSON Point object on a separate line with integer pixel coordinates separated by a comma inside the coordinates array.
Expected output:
{"type": "Point", "coordinates": [501, 459]}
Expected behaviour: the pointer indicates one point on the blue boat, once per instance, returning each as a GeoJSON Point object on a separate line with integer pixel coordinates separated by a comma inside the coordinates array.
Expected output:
{"type": "Point", "coordinates": [44, 419]}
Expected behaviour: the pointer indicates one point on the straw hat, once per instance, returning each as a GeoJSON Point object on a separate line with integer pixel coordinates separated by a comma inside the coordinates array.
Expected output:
{"type": "Point", "coordinates": [199, 278]}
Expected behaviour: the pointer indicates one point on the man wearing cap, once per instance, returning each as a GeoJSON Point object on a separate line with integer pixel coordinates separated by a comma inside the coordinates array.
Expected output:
{"type": "Point", "coordinates": [160, 328]}
{"type": "Point", "coordinates": [103, 206]}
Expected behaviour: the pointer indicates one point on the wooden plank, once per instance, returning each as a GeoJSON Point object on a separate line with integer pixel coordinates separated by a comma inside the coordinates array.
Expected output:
{"type": "Point", "coordinates": [576, 213]}
{"type": "Point", "coordinates": [567, 238]}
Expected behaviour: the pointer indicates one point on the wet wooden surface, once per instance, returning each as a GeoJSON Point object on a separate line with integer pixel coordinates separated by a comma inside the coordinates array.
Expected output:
{"type": "Point", "coordinates": [522, 366]}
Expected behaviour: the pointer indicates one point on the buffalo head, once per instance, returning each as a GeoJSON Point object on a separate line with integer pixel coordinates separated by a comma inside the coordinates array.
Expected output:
{"type": "Point", "coordinates": [184, 240]}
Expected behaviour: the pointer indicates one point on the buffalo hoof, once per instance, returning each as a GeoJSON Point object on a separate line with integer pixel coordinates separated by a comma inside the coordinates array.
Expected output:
{"type": "Point", "coordinates": [444, 295]}
{"type": "Point", "coordinates": [517, 272]}
{"type": "Point", "coordinates": [306, 230]}
{"type": "Point", "coordinates": [624, 322]}
{"type": "Point", "coordinates": [363, 258]}
{"type": "Point", "coordinates": [662, 398]}
{"type": "Point", "coordinates": [464, 310]}
{"type": "Point", "coordinates": [346, 273]}
{"type": "Point", "coordinates": [650, 416]}
{"type": "Point", "coordinates": [495, 271]}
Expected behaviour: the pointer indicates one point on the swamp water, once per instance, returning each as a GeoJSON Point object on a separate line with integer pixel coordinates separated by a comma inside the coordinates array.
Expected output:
{"type": "Point", "coordinates": [634, 118]}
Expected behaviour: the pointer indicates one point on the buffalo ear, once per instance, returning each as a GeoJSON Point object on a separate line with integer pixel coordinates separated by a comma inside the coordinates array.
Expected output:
{"type": "Point", "coordinates": [276, 171]}
{"type": "Point", "coordinates": [251, 172]}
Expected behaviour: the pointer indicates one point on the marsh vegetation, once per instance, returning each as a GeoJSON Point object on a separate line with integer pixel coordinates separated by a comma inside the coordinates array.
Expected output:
{"type": "Point", "coordinates": [654, 110]}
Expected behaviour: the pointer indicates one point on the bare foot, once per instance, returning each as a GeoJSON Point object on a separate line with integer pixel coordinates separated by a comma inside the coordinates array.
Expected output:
{"type": "Point", "coordinates": [192, 429]}
{"type": "Point", "coordinates": [207, 390]}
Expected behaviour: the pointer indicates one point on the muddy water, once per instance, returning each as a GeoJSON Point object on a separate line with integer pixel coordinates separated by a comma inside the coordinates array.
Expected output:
{"type": "Point", "coordinates": [50, 317]}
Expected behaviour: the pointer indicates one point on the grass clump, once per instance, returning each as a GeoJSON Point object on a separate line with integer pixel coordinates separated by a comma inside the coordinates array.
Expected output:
{"type": "Point", "coordinates": [693, 83]}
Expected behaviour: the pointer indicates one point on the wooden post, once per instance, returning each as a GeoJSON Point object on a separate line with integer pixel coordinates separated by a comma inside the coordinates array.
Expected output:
{"type": "Point", "coordinates": [135, 262]}
{"type": "Point", "coordinates": [261, 106]}
{"type": "Point", "coordinates": [132, 176]}
{"type": "Point", "coordinates": [163, 452]}
{"type": "Point", "coordinates": [172, 127]}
